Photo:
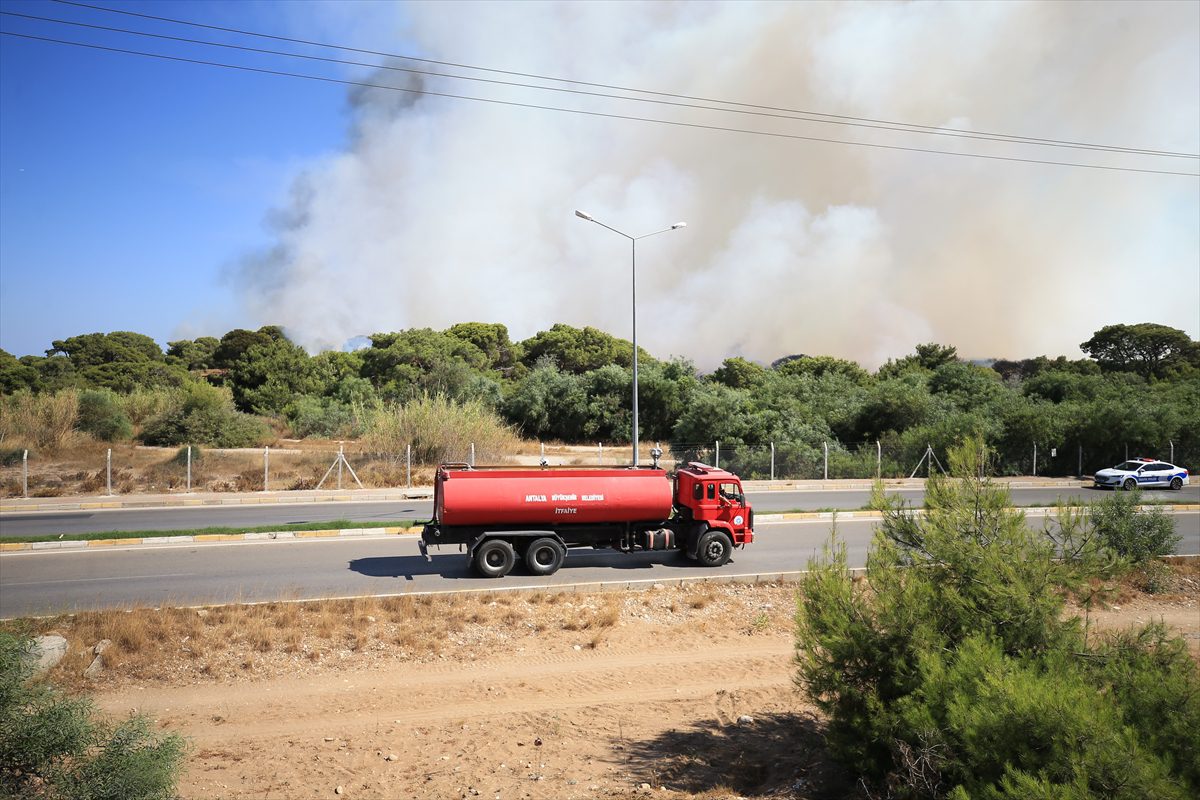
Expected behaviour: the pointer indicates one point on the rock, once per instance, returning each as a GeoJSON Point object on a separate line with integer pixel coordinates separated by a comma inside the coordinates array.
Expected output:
{"type": "Point", "coordinates": [339, 790]}
{"type": "Point", "coordinates": [537, 742]}
{"type": "Point", "coordinates": [745, 719]}
{"type": "Point", "coordinates": [202, 612]}
{"type": "Point", "coordinates": [370, 619]}
{"type": "Point", "coordinates": [578, 647]}
{"type": "Point", "coordinates": [658, 586]}
{"type": "Point", "coordinates": [390, 757]}
{"type": "Point", "coordinates": [100, 646]}
{"type": "Point", "coordinates": [46, 652]}
{"type": "Point", "coordinates": [329, 738]}
{"type": "Point", "coordinates": [94, 669]}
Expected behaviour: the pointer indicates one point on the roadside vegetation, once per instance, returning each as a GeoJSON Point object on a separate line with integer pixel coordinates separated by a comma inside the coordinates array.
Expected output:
{"type": "Point", "coordinates": [1136, 393]}
{"type": "Point", "coordinates": [57, 746]}
{"type": "Point", "coordinates": [953, 670]}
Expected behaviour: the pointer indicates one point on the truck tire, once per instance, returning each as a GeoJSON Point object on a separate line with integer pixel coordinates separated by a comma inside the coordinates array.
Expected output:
{"type": "Point", "coordinates": [544, 556]}
{"type": "Point", "coordinates": [714, 549]}
{"type": "Point", "coordinates": [494, 558]}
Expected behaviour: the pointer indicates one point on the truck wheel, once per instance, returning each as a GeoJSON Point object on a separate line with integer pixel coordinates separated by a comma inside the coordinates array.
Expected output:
{"type": "Point", "coordinates": [494, 558]}
{"type": "Point", "coordinates": [1129, 485]}
{"type": "Point", "coordinates": [714, 549]}
{"type": "Point", "coordinates": [544, 556]}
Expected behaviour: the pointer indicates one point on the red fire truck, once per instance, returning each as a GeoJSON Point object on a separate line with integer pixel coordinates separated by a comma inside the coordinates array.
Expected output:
{"type": "Point", "coordinates": [500, 515]}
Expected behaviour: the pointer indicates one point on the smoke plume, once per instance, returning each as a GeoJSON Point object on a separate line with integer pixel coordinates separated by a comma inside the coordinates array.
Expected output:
{"type": "Point", "coordinates": [442, 211]}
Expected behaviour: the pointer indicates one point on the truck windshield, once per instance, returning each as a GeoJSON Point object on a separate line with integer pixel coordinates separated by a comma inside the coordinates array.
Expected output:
{"type": "Point", "coordinates": [732, 492]}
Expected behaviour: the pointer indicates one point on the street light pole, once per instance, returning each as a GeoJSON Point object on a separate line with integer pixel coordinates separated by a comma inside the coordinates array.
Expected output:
{"type": "Point", "coordinates": [633, 240]}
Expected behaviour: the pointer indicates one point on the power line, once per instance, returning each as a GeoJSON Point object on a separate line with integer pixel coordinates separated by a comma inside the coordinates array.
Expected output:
{"type": "Point", "coordinates": [515, 104]}
{"type": "Point", "coordinates": [832, 118]}
{"type": "Point", "coordinates": [244, 48]}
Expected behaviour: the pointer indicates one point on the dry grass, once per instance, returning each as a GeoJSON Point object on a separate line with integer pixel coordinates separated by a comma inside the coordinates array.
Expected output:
{"type": "Point", "coordinates": [242, 641]}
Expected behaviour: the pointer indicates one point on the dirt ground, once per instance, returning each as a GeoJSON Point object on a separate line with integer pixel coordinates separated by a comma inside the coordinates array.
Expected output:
{"type": "Point", "coordinates": [671, 692]}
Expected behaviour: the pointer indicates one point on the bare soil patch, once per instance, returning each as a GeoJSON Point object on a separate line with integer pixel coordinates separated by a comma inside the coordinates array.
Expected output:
{"type": "Point", "coordinates": [670, 692]}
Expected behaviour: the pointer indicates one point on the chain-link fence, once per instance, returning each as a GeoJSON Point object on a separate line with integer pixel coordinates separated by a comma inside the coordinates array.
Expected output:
{"type": "Point", "coordinates": [132, 469]}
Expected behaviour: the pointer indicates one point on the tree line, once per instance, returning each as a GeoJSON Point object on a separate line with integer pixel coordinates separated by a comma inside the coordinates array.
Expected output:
{"type": "Point", "coordinates": [1137, 387]}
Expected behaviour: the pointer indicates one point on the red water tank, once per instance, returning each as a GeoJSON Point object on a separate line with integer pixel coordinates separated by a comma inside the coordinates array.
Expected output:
{"type": "Point", "coordinates": [504, 496]}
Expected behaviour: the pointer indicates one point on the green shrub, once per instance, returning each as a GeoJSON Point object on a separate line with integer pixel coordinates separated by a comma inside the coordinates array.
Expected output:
{"type": "Point", "coordinates": [202, 414]}
{"type": "Point", "coordinates": [951, 672]}
{"type": "Point", "coordinates": [57, 747]}
{"type": "Point", "coordinates": [322, 416]}
{"type": "Point", "coordinates": [101, 415]}
{"type": "Point", "coordinates": [1133, 534]}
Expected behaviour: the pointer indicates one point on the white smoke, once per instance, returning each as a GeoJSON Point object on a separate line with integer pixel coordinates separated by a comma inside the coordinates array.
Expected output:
{"type": "Point", "coordinates": [443, 211]}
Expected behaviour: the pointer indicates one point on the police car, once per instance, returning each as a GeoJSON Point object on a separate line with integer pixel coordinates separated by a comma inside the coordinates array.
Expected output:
{"type": "Point", "coordinates": [1142, 472]}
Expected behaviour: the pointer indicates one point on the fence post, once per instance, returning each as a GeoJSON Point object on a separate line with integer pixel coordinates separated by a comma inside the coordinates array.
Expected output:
{"type": "Point", "coordinates": [108, 471]}
{"type": "Point", "coordinates": [878, 460]}
{"type": "Point", "coordinates": [600, 453]}
{"type": "Point", "coordinates": [189, 469]}
{"type": "Point", "coordinates": [1035, 459]}
{"type": "Point", "coordinates": [543, 446]}
{"type": "Point", "coordinates": [266, 464]}
{"type": "Point", "coordinates": [1127, 452]}
{"type": "Point", "coordinates": [1172, 443]}
{"type": "Point", "coordinates": [25, 473]}
{"type": "Point", "coordinates": [341, 458]}
{"type": "Point", "coordinates": [1080, 473]}
{"type": "Point", "coordinates": [472, 462]}
{"type": "Point", "coordinates": [826, 471]}
{"type": "Point", "coordinates": [772, 461]}
{"type": "Point", "coordinates": [718, 458]}
{"type": "Point", "coordinates": [408, 465]}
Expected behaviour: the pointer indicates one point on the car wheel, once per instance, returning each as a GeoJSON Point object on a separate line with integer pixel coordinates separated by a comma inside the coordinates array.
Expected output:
{"type": "Point", "coordinates": [1177, 483]}
{"type": "Point", "coordinates": [1129, 485]}
{"type": "Point", "coordinates": [494, 558]}
{"type": "Point", "coordinates": [544, 556]}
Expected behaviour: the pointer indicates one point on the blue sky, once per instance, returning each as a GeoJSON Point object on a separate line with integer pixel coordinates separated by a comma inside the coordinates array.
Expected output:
{"type": "Point", "coordinates": [129, 187]}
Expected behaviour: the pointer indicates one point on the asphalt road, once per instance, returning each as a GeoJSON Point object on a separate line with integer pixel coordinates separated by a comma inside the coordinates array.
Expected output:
{"type": "Point", "coordinates": [49, 582]}
{"type": "Point", "coordinates": [150, 519]}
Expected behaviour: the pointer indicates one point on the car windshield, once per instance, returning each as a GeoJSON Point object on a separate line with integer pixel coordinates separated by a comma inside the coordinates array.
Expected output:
{"type": "Point", "coordinates": [1130, 466]}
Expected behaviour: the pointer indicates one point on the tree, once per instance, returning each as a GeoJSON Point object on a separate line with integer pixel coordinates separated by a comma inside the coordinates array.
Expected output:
{"type": "Point", "coordinates": [234, 345]}
{"type": "Point", "coordinates": [821, 366]}
{"type": "Point", "coordinates": [1148, 349]}
{"type": "Point", "coordinates": [738, 373]}
{"type": "Point", "coordinates": [951, 671]}
{"type": "Point", "coordinates": [93, 349]}
{"type": "Point", "coordinates": [56, 746]}
{"type": "Point", "coordinates": [927, 357]}
{"type": "Point", "coordinates": [195, 354]}
{"type": "Point", "coordinates": [579, 350]}
{"type": "Point", "coordinates": [15, 376]}
{"type": "Point", "coordinates": [492, 340]}
{"type": "Point", "coordinates": [410, 363]}
{"type": "Point", "coordinates": [266, 377]}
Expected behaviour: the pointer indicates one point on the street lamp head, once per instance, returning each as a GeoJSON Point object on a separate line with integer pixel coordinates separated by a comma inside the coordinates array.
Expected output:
{"type": "Point", "coordinates": [676, 226]}
{"type": "Point", "coordinates": [582, 215]}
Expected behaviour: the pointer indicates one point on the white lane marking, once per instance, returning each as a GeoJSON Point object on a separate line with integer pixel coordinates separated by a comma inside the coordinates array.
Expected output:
{"type": "Point", "coordinates": [94, 580]}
